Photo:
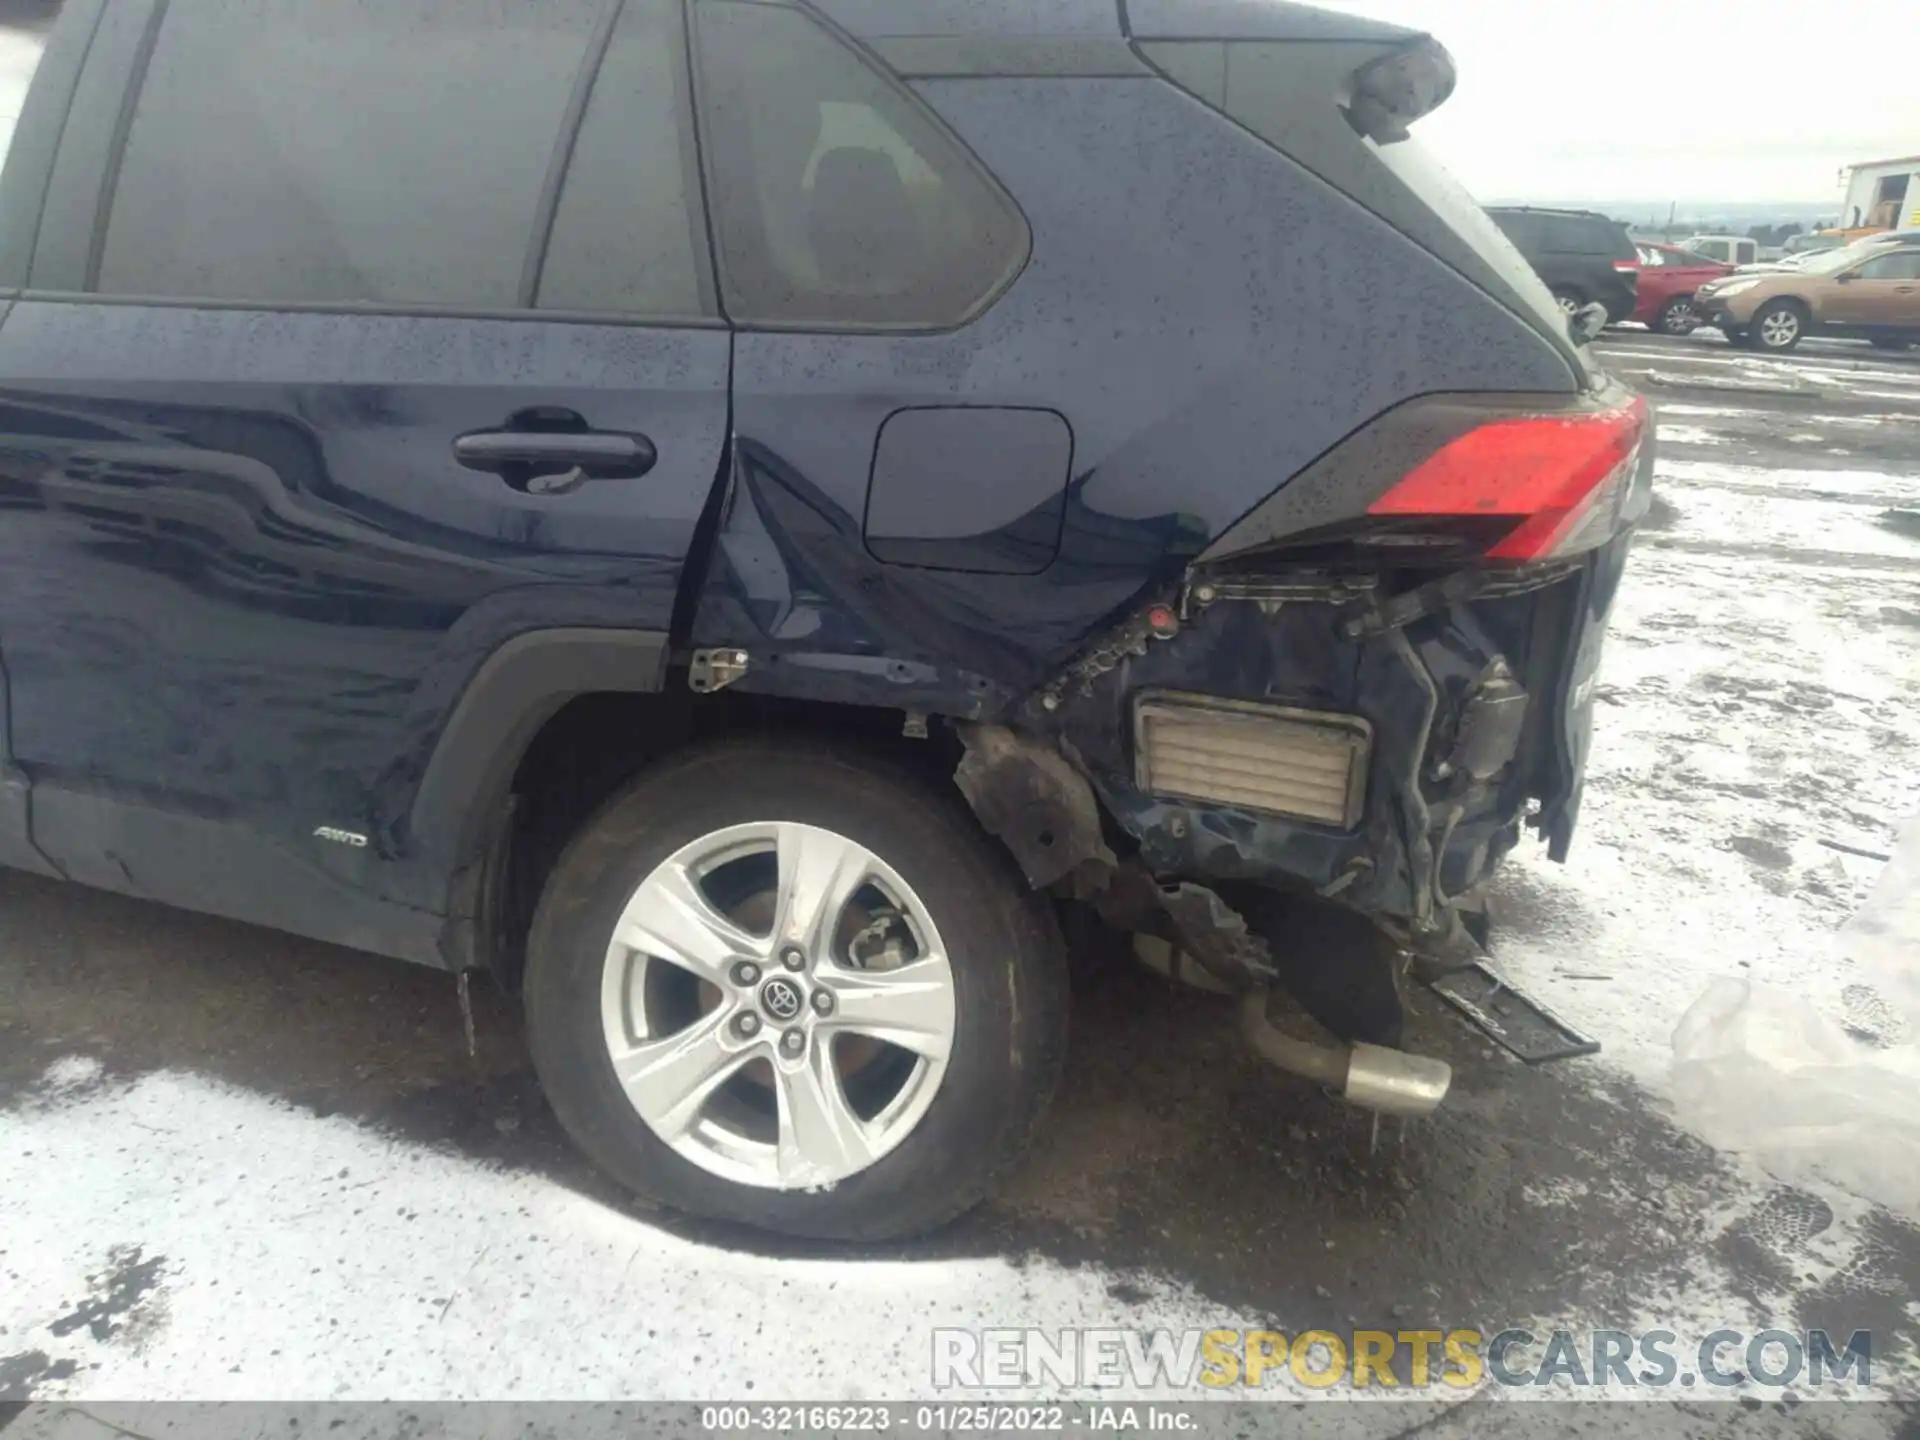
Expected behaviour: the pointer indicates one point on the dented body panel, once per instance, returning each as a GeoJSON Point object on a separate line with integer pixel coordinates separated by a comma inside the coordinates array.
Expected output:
{"type": "Point", "coordinates": [1232, 408]}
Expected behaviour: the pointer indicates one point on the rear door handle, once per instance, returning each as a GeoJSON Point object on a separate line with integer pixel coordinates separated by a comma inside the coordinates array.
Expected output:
{"type": "Point", "coordinates": [549, 452]}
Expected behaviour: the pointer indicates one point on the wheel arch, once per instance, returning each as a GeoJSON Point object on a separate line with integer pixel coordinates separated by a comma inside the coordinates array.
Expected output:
{"type": "Point", "coordinates": [458, 807]}
{"type": "Point", "coordinates": [550, 731]}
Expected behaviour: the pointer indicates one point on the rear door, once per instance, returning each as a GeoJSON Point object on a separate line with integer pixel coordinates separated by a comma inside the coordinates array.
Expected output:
{"type": "Point", "coordinates": [360, 341]}
{"type": "Point", "coordinates": [1884, 293]}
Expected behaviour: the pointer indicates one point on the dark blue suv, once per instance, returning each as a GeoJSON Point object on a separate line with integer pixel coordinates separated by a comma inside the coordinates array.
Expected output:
{"type": "Point", "coordinates": [738, 516]}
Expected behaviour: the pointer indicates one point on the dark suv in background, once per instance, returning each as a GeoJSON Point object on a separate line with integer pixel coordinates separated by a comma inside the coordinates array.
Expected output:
{"type": "Point", "coordinates": [1583, 257]}
{"type": "Point", "coordinates": [736, 517]}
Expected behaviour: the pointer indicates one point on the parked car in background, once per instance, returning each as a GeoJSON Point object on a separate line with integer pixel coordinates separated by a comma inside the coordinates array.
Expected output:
{"type": "Point", "coordinates": [1727, 249]}
{"type": "Point", "coordinates": [1814, 241]}
{"type": "Point", "coordinates": [1669, 276]}
{"type": "Point", "coordinates": [659, 507]}
{"type": "Point", "coordinates": [1871, 243]}
{"type": "Point", "coordinates": [1869, 292]}
{"type": "Point", "coordinates": [1583, 256]}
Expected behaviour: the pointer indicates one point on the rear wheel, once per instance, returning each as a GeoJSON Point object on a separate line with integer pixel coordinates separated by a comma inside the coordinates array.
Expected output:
{"type": "Point", "coordinates": [798, 991]}
{"type": "Point", "coordinates": [1677, 317]}
{"type": "Point", "coordinates": [1571, 301]}
{"type": "Point", "coordinates": [1779, 327]}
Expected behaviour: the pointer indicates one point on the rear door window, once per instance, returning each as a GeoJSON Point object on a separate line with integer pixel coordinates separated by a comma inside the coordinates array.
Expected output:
{"type": "Point", "coordinates": [1904, 265]}
{"type": "Point", "coordinates": [629, 234]}
{"type": "Point", "coordinates": [838, 201]}
{"type": "Point", "coordinates": [1523, 230]}
{"type": "Point", "coordinates": [389, 153]}
{"type": "Point", "coordinates": [21, 47]}
{"type": "Point", "coordinates": [1576, 235]}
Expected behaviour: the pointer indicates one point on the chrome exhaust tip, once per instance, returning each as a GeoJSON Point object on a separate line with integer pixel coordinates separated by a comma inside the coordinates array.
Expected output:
{"type": "Point", "coordinates": [1393, 1082]}
{"type": "Point", "coordinates": [1387, 1082]}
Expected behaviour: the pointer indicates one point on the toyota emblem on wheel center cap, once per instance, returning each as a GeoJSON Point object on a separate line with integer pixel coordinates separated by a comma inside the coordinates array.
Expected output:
{"type": "Point", "coordinates": [781, 999]}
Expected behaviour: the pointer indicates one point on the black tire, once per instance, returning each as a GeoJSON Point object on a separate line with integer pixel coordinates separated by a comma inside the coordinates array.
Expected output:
{"type": "Point", "coordinates": [1572, 302]}
{"type": "Point", "coordinates": [1002, 941]}
{"type": "Point", "coordinates": [1890, 342]}
{"type": "Point", "coordinates": [1677, 317]}
{"type": "Point", "coordinates": [1772, 311]}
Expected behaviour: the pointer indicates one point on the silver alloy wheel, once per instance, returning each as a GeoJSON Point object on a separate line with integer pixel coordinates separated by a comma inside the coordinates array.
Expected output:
{"type": "Point", "coordinates": [1680, 318]}
{"type": "Point", "coordinates": [1568, 305]}
{"type": "Point", "coordinates": [1779, 329]}
{"type": "Point", "coordinates": [786, 1000]}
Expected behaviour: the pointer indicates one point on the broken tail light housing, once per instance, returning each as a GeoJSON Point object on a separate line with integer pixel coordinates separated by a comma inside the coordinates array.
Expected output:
{"type": "Point", "coordinates": [1539, 487]}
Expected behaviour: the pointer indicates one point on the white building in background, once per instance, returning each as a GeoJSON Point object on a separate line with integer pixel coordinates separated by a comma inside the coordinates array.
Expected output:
{"type": "Point", "coordinates": [1884, 194]}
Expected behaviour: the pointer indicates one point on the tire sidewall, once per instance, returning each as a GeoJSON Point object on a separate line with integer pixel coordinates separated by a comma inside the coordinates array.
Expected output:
{"type": "Point", "coordinates": [1009, 985]}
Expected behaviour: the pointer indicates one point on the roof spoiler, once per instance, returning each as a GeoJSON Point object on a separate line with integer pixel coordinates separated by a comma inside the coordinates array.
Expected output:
{"type": "Point", "coordinates": [1392, 92]}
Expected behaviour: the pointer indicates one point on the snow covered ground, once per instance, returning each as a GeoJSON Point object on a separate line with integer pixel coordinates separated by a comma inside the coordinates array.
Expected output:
{"type": "Point", "coordinates": [236, 1165]}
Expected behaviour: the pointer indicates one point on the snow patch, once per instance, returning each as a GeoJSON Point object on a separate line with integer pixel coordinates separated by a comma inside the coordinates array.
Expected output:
{"type": "Point", "coordinates": [1716, 412]}
{"type": "Point", "coordinates": [1762, 1070]}
{"type": "Point", "coordinates": [72, 1072]}
{"type": "Point", "coordinates": [312, 1258]}
{"type": "Point", "coordinates": [1688, 435]}
{"type": "Point", "coordinates": [1877, 484]}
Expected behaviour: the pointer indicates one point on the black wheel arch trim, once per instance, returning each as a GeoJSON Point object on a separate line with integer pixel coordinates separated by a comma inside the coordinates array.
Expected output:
{"type": "Point", "coordinates": [520, 686]}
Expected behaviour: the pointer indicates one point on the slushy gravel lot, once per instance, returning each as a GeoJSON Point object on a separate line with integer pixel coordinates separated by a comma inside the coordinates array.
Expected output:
{"type": "Point", "coordinates": [234, 1164]}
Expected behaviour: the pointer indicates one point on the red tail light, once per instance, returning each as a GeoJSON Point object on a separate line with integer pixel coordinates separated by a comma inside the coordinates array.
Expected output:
{"type": "Point", "coordinates": [1564, 482]}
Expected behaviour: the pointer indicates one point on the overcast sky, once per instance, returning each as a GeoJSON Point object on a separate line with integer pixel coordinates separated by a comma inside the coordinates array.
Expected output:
{"type": "Point", "coordinates": [1669, 99]}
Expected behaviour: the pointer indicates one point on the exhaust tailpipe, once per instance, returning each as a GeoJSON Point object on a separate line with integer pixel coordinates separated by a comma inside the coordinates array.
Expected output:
{"type": "Point", "coordinates": [1389, 1082]}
